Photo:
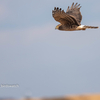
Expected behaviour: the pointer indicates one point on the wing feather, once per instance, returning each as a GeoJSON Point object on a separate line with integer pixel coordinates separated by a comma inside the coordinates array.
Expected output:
{"type": "Point", "coordinates": [72, 6]}
{"type": "Point", "coordinates": [75, 5]}
{"type": "Point", "coordinates": [63, 18]}
{"type": "Point", "coordinates": [68, 8]}
{"type": "Point", "coordinates": [74, 11]}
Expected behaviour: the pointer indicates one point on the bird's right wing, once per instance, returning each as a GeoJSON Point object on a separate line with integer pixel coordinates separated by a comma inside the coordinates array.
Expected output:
{"type": "Point", "coordinates": [65, 19]}
{"type": "Point", "coordinates": [74, 11]}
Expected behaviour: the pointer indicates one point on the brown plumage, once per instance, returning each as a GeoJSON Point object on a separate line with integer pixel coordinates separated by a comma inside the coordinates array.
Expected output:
{"type": "Point", "coordinates": [71, 19]}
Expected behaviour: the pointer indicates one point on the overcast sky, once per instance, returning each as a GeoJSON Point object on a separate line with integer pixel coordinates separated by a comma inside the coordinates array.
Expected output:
{"type": "Point", "coordinates": [43, 61]}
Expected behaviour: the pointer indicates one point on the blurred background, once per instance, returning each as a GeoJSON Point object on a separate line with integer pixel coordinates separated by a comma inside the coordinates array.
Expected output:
{"type": "Point", "coordinates": [38, 61]}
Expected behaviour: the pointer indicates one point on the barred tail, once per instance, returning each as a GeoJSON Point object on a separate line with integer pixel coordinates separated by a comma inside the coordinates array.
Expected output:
{"type": "Point", "coordinates": [94, 27]}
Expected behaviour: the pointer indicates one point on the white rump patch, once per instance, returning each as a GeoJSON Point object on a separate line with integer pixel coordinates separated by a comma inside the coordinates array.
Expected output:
{"type": "Point", "coordinates": [81, 26]}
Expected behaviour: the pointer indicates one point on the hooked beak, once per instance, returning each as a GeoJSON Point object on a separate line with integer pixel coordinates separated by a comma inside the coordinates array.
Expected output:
{"type": "Point", "coordinates": [56, 27]}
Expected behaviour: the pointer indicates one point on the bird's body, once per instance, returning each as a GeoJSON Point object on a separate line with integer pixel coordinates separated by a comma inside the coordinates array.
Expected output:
{"type": "Point", "coordinates": [70, 20]}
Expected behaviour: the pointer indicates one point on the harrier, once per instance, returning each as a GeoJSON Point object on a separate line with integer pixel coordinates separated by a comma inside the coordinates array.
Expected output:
{"type": "Point", "coordinates": [70, 20]}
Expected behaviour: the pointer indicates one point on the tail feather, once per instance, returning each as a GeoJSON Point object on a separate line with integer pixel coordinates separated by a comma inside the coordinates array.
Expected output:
{"type": "Point", "coordinates": [91, 27]}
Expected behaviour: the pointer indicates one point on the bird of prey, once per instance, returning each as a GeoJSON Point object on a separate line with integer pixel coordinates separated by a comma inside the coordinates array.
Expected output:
{"type": "Point", "coordinates": [69, 20]}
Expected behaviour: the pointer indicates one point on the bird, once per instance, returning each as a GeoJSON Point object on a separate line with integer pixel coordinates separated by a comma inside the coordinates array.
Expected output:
{"type": "Point", "coordinates": [71, 19]}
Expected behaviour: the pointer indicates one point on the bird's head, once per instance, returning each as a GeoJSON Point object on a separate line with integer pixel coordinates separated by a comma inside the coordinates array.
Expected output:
{"type": "Point", "coordinates": [58, 27]}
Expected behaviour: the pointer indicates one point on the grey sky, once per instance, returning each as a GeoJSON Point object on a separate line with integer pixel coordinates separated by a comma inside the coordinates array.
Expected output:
{"type": "Point", "coordinates": [44, 61]}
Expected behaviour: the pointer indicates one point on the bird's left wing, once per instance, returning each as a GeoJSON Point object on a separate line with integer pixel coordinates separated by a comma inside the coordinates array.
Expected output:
{"type": "Point", "coordinates": [65, 19]}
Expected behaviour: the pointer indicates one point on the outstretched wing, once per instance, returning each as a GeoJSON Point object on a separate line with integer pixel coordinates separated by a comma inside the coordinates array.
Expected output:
{"type": "Point", "coordinates": [66, 19]}
{"type": "Point", "coordinates": [74, 11]}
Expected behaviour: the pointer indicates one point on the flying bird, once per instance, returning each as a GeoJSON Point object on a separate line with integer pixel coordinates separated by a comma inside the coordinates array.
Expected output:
{"type": "Point", "coordinates": [69, 20]}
